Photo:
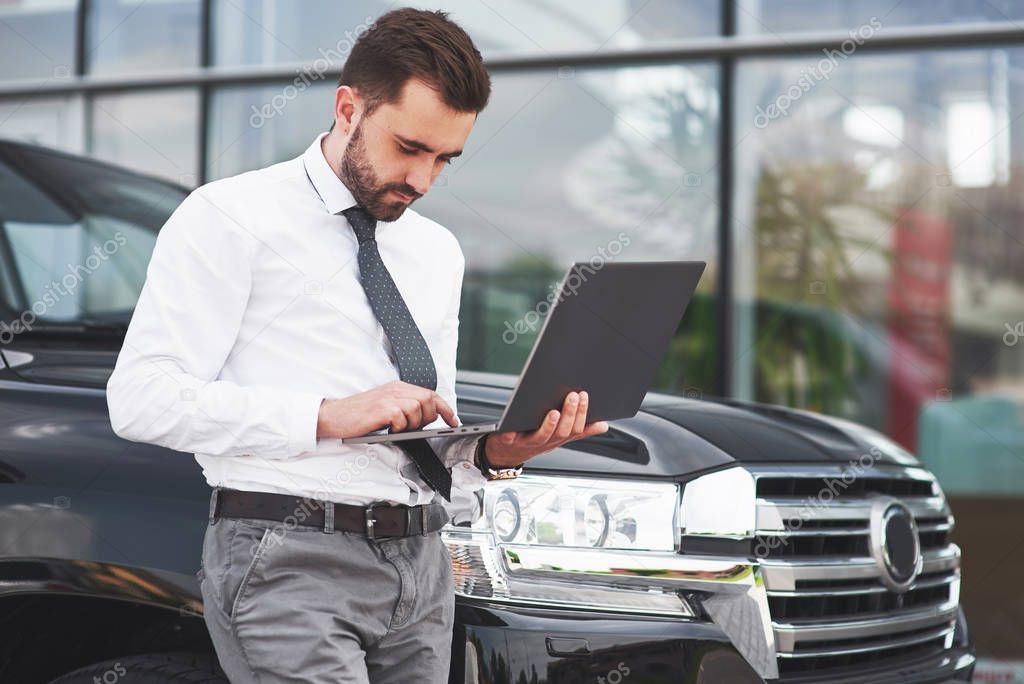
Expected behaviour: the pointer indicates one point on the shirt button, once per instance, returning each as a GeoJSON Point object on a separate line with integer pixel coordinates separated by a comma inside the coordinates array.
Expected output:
{"type": "Point", "coordinates": [465, 464]}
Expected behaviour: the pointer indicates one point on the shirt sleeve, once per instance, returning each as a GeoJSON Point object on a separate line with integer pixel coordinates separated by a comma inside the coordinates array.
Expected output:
{"type": "Point", "coordinates": [164, 388]}
{"type": "Point", "coordinates": [457, 450]}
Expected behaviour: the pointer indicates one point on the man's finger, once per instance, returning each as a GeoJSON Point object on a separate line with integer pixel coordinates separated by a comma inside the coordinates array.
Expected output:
{"type": "Point", "coordinates": [431, 401]}
{"type": "Point", "coordinates": [543, 433]}
{"type": "Point", "coordinates": [581, 413]}
{"type": "Point", "coordinates": [568, 419]}
{"type": "Point", "coordinates": [428, 411]}
{"type": "Point", "coordinates": [445, 411]}
{"type": "Point", "coordinates": [414, 413]}
{"type": "Point", "coordinates": [398, 420]}
{"type": "Point", "coordinates": [598, 427]}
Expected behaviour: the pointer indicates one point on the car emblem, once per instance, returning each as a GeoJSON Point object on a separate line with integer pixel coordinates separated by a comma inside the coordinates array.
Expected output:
{"type": "Point", "coordinates": [895, 543]}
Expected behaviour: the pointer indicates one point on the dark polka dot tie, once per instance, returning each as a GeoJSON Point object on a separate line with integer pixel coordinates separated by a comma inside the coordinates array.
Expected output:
{"type": "Point", "coordinates": [415, 363]}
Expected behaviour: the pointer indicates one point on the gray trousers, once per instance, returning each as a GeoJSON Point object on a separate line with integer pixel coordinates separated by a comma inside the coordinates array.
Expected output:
{"type": "Point", "coordinates": [296, 604]}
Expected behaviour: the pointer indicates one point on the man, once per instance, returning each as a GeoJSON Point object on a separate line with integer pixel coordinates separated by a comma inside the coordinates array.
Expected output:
{"type": "Point", "coordinates": [299, 303]}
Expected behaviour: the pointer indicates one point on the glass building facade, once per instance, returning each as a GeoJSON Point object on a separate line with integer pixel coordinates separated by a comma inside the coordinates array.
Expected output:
{"type": "Point", "coordinates": [848, 169]}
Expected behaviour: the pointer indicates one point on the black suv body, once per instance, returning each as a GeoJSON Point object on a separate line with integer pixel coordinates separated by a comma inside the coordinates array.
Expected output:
{"type": "Point", "coordinates": [741, 546]}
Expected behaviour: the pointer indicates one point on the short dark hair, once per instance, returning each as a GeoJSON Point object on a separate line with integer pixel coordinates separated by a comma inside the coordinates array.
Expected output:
{"type": "Point", "coordinates": [412, 43]}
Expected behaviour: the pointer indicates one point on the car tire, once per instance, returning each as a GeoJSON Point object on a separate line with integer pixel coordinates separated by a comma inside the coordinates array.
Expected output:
{"type": "Point", "coordinates": [149, 668]}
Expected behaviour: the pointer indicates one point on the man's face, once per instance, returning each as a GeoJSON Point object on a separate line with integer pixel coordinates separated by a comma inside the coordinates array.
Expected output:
{"type": "Point", "coordinates": [394, 154]}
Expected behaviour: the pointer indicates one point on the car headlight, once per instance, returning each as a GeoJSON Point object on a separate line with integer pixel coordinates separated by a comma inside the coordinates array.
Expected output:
{"type": "Point", "coordinates": [571, 541]}
{"type": "Point", "coordinates": [579, 512]}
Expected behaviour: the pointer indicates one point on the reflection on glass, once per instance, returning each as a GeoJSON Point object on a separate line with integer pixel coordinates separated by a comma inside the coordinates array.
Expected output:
{"type": "Point", "coordinates": [591, 164]}
{"type": "Point", "coordinates": [37, 40]}
{"type": "Point", "coordinates": [255, 126]}
{"type": "Point", "coordinates": [275, 31]}
{"type": "Point", "coordinates": [79, 235]}
{"type": "Point", "coordinates": [75, 257]}
{"type": "Point", "coordinates": [873, 205]}
{"type": "Point", "coordinates": [879, 240]}
{"type": "Point", "coordinates": [139, 37]}
{"type": "Point", "coordinates": [51, 121]}
{"type": "Point", "coordinates": [154, 132]}
{"type": "Point", "coordinates": [778, 16]}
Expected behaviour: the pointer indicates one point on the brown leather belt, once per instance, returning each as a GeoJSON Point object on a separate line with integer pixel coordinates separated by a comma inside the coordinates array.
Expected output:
{"type": "Point", "coordinates": [376, 520]}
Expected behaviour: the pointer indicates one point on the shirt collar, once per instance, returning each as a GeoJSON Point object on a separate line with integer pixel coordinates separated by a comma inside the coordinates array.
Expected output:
{"type": "Point", "coordinates": [332, 191]}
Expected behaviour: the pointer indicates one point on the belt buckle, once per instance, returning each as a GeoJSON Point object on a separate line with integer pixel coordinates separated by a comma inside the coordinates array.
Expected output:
{"type": "Point", "coordinates": [370, 520]}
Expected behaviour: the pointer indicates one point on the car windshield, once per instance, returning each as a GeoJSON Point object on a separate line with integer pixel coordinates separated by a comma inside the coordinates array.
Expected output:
{"type": "Point", "coordinates": [75, 237]}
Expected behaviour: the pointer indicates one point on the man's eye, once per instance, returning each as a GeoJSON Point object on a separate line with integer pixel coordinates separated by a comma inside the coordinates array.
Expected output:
{"type": "Point", "coordinates": [406, 150]}
{"type": "Point", "coordinates": [449, 160]}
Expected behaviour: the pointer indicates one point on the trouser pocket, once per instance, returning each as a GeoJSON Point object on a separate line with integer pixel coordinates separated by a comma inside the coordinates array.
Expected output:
{"type": "Point", "coordinates": [232, 554]}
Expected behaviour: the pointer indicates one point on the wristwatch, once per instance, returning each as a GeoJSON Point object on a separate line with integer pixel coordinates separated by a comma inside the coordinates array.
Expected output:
{"type": "Point", "coordinates": [480, 458]}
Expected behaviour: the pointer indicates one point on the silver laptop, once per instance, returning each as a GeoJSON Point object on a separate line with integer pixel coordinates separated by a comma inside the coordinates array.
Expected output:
{"type": "Point", "coordinates": [607, 333]}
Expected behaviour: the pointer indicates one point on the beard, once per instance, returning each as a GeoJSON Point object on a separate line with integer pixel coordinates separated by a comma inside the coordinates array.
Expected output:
{"type": "Point", "coordinates": [359, 177]}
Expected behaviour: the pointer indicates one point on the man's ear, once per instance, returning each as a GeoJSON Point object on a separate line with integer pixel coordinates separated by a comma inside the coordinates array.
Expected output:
{"type": "Point", "coordinates": [346, 103]}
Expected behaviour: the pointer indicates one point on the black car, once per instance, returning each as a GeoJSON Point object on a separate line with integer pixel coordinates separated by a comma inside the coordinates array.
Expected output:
{"type": "Point", "coordinates": [699, 541]}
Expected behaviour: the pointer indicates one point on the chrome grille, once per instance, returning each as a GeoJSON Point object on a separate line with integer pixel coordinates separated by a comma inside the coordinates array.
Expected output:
{"type": "Point", "coordinates": [819, 538]}
{"type": "Point", "coordinates": [829, 609]}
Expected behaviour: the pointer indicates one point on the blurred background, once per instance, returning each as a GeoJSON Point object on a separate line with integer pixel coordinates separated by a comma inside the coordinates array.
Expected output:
{"type": "Point", "coordinates": [852, 171]}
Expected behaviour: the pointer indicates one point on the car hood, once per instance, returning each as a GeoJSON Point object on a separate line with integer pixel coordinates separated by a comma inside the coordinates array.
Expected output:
{"type": "Point", "coordinates": [669, 437]}
{"type": "Point", "coordinates": [677, 436]}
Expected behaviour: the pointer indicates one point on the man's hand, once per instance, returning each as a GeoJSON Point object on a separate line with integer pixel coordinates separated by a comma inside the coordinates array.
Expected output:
{"type": "Point", "coordinates": [509, 449]}
{"type": "Point", "coordinates": [400, 405]}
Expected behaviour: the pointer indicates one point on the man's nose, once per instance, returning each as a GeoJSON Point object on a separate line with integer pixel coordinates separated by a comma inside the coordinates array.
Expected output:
{"type": "Point", "coordinates": [419, 178]}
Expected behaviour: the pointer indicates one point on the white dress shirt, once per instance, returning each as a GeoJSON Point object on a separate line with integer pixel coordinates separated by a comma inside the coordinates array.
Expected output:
{"type": "Point", "coordinates": [252, 312]}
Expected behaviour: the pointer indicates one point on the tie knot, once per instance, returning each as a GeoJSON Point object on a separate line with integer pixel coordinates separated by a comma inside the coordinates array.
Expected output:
{"type": "Point", "coordinates": [362, 223]}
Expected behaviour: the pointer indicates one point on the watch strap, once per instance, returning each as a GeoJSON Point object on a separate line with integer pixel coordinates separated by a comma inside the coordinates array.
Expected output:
{"type": "Point", "coordinates": [489, 471]}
